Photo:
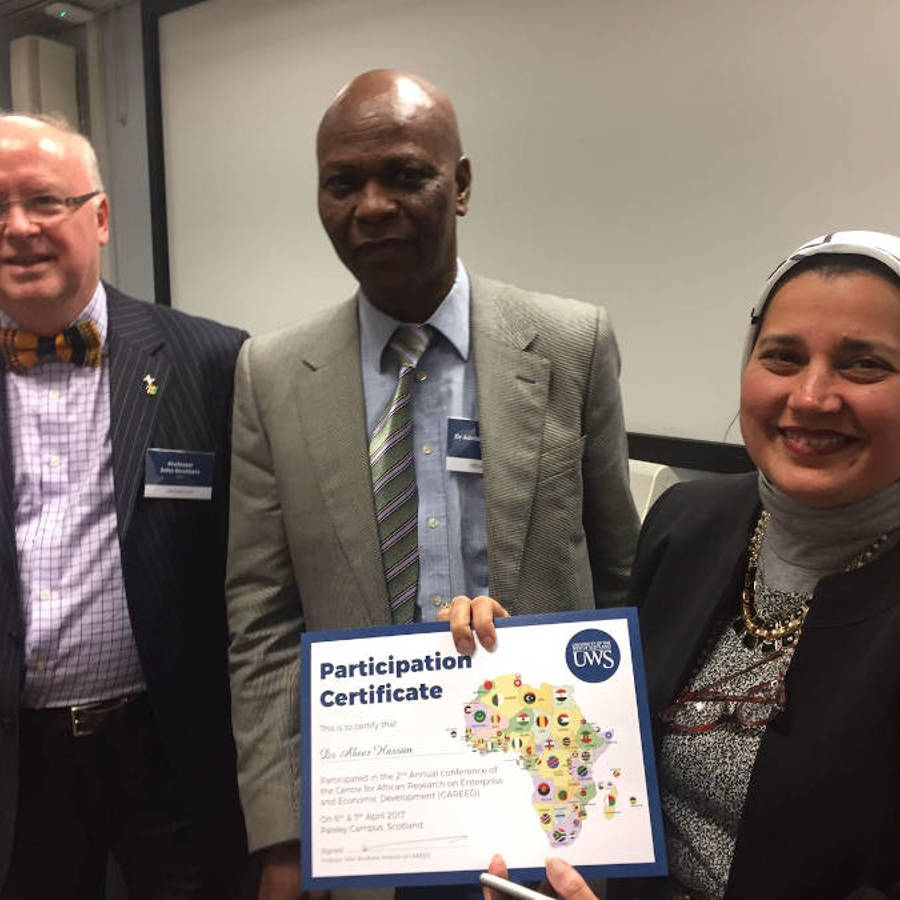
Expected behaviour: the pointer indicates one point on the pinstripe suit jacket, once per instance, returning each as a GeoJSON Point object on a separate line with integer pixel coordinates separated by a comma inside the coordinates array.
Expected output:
{"type": "Point", "coordinates": [173, 558]}
{"type": "Point", "coordinates": [304, 551]}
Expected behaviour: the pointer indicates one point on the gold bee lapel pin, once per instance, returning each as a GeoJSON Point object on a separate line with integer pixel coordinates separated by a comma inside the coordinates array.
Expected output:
{"type": "Point", "coordinates": [150, 386]}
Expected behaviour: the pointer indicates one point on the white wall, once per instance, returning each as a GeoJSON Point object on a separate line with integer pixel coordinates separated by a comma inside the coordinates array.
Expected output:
{"type": "Point", "coordinates": [658, 157]}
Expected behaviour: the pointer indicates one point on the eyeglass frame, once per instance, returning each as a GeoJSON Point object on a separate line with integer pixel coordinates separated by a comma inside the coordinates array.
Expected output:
{"type": "Point", "coordinates": [72, 205]}
{"type": "Point", "coordinates": [776, 696]}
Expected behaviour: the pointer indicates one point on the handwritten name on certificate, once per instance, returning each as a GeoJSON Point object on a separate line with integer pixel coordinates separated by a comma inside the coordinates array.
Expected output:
{"type": "Point", "coordinates": [418, 764]}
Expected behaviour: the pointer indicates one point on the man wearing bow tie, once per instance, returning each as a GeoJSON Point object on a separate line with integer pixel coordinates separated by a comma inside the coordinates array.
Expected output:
{"type": "Point", "coordinates": [437, 434]}
{"type": "Point", "coordinates": [114, 415]}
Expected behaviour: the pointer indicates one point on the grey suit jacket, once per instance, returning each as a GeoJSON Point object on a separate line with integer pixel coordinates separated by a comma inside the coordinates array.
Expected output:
{"type": "Point", "coordinates": [303, 546]}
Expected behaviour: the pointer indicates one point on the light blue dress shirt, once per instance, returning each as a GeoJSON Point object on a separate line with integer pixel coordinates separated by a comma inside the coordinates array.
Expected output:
{"type": "Point", "coordinates": [452, 521]}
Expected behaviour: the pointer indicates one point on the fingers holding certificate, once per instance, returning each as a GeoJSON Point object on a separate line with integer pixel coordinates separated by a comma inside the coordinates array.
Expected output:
{"type": "Point", "coordinates": [467, 615]}
{"type": "Point", "coordinates": [416, 757]}
{"type": "Point", "coordinates": [564, 880]}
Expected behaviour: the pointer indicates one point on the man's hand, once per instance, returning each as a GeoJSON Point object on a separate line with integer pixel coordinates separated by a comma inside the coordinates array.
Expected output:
{"type": "Point", "coordinates": [281, 875]}
{"type": "Point", "coordinates": [465, 613]}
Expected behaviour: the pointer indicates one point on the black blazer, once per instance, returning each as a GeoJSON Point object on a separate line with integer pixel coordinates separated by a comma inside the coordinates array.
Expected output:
{"type": "Point", "coordinates": [173, 561]}
{"type": "Point", "coordinates": [822, 815]}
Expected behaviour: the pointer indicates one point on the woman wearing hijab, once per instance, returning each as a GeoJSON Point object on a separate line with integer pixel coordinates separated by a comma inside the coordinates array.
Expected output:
{"type": "Point", "coordinates": [770, 607]}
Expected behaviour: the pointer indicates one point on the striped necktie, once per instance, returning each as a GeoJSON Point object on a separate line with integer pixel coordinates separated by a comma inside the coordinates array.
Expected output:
{"type": "Point", "coordinates": [394, 479]}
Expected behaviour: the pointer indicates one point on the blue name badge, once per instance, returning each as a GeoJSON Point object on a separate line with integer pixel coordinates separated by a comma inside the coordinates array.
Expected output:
{"type": "Point", "coordinates": [464, 446]}
{"type": "Point", "coordinates": [178, 474]}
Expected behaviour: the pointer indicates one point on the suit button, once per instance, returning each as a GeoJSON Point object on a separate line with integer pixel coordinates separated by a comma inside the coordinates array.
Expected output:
{"type": "Point", "coordinates": [7, 726]}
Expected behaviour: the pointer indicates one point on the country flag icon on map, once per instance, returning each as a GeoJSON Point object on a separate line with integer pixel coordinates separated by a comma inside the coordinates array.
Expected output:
{"type": "Point", "coordinates": [543, 789]}
{"type": "Point", "coordinates": [523, 718]}
{"type": "Point", "coordinates": [479, 715]}
{"type": "Point", "coordinates": [563, 719]}
{"type": "Point", "coordinates": [553, 762]}
{"type": "Point", "coordinates": [560, 696]}
{"type": "Point", "coordinates": [542, 721]}
{"type": "Point", "coordinates": [529, 697]}
{"type": "Point", "coordinates": [545, 818]}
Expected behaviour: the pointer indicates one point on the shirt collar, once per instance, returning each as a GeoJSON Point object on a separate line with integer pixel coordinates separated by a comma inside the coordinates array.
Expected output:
{"type": "Point", "coordinates": [95, 309]}
{"type": "Point", "coordinates": [451, 319]}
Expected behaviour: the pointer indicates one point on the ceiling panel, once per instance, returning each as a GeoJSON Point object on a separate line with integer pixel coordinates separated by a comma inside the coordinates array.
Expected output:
{"type": "Point", "coordinates": [28, 16]}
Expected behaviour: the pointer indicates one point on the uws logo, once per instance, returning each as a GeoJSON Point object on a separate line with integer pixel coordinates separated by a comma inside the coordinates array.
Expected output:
{"type": "Point", "coordinates": [593, 655]}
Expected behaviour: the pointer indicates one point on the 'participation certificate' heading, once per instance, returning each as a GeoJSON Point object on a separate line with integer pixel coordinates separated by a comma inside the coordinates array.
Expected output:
{"type": "Point", "coordinates": [418, 763]}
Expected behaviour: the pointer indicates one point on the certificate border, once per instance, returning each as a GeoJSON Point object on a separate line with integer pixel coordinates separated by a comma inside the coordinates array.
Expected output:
{"type": "Point", "coordinates": [659, 866]}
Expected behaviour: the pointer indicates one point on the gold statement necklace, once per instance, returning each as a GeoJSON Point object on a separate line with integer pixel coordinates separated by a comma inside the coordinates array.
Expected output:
{"type": "Point", "coordinates": [782, 632]}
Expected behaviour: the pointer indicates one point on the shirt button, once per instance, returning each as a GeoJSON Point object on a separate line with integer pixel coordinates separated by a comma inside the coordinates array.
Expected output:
{"type": "Point", "coordinates": [54, 462]}
{"type": "Point", "coordinates": [427, 449]}
{"type": "Point", "coordinates": [44, 594]}
{"type": "Point", "coordinates": [433, 522]}
{"type": "Point", "coordinates": [54, 394]}
{"type": "Point", "coordinates": [421, 376]}
{"type": "Point", "coordinates": [437, 600]}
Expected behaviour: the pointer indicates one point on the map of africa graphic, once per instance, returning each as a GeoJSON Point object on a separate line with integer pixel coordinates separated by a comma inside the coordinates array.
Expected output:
{"type": "Point", "coordinates": [553, 743]}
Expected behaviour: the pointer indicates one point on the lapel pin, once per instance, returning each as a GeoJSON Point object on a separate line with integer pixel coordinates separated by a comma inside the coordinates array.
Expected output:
{"type": "Point", "coordinates": [150, 385]}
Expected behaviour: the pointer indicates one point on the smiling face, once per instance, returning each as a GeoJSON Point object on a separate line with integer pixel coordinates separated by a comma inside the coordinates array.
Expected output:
{"type": "Point", "coordinates": [820, 396]}
{"type": "Point", "coordinates": [48, 273]}
{"type": "Point", "coordinates": [391, 184]}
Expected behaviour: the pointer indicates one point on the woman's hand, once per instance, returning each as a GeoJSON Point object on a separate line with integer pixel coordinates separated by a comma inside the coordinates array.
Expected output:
{"type": "Point", "coordinates": [567, 883]}
{"type": "Point", "coordinates": [464, 614]}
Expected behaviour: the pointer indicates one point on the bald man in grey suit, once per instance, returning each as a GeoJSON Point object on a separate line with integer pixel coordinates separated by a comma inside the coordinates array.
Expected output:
{"type": "Point", "coordinates": [550, 524]}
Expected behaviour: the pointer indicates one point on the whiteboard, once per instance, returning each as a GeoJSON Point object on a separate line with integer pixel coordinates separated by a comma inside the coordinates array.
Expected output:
{"type": "Point", "coordinates": [657, 157]}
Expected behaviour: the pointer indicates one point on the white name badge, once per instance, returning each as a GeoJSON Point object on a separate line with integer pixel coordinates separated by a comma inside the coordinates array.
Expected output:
{"type": "Point", "coordinates": [464, 446]}
{"type": "Point", "coordinates": [178, 474]}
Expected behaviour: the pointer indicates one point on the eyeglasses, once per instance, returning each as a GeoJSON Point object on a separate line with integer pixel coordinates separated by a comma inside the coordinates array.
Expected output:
{"type": "Point", "coordinates": [44, 209]}
{"type": "Point", "coordinates": [713, 705]}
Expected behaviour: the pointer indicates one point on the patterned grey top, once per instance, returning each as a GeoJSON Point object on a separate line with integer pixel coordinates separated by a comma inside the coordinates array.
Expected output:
{"type": "Point", "coordinates": [704, 775]}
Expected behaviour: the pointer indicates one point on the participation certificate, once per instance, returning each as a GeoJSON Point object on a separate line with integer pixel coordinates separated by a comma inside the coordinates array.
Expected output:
{"type": "Point", "coordinates": [418, 763]}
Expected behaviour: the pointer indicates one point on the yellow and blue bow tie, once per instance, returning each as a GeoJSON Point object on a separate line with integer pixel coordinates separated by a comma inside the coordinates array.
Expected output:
{"type": "Point", "coordinates": [79, 344]}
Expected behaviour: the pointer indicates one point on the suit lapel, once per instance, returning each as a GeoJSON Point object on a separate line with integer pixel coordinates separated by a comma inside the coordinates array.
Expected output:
{"type": "Point", "coordinates": [135, 350]}
{"type": "Point", "coordinates": [331, 381]}
{"type": "Point", "coordinates": [705, 586]}
{"type": "Point", "coordinates": [512, 384]}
